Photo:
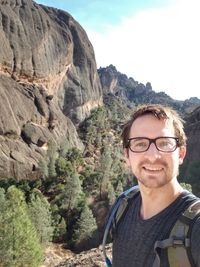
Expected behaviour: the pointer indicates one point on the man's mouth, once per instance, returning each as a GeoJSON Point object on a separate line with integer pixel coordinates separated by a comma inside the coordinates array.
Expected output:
{"type": "Point", "coordinates": [153, 168]}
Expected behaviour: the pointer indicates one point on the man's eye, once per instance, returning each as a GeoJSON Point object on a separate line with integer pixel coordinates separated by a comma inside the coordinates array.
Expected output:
{"type": "Point", "coordinates": [140, 144]}
{"type": "Point", "coordinates": [164, 143]}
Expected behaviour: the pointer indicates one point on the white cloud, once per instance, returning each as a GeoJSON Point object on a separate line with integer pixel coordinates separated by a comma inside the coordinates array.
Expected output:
{"type": "Point", "coordinates": [159, 45]}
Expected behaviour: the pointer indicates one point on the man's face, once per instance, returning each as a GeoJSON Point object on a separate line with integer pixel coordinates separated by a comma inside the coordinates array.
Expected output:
{"type": "Point", "coordinates": [154, 168]}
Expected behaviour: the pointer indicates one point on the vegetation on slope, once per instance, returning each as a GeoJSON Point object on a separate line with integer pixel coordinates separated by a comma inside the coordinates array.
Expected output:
{"type": "Point", "coordinates": [70, 200]}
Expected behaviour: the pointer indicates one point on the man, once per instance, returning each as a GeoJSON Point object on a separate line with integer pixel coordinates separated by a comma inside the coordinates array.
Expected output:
{"type": "Point", "coordinates": [154, 145]}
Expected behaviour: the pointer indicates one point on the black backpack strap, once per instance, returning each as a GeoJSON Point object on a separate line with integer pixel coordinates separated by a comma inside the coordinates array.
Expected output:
{"type": "Point", "coordinates": [115, 215]}
{"type": "Point", "coordinates": [178, 243]}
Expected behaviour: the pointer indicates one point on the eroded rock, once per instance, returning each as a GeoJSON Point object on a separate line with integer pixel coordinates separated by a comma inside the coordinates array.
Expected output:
{"type": "Point", "coordinates": [48, 79]}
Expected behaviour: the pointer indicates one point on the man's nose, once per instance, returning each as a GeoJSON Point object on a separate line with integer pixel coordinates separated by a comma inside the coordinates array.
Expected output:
{"type": "Point", "coordinates": [152, 153]}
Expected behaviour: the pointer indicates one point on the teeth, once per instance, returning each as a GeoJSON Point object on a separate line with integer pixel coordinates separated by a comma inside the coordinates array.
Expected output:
{"type": "Point", "coordinates": [150, 168]}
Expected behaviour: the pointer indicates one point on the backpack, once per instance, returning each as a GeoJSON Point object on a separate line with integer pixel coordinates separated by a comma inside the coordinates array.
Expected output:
{"type": "Point", "coordinates": [178, 242]}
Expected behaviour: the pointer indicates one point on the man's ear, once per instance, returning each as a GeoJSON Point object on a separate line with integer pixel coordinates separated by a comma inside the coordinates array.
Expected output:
{"type": "Point", "coordinates": [182, 153]}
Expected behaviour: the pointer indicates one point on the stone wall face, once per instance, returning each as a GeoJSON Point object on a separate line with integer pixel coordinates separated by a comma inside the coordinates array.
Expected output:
{"type": "Point", "coordinates": [48, 83]}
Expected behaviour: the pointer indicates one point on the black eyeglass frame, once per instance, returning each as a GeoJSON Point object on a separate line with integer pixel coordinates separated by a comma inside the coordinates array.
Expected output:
{"type": "Point", "coordinates": [153, 140]}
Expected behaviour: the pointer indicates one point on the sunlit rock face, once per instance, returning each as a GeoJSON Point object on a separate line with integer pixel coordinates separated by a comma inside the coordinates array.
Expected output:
{"type": "Point", "coordinates": [48, 83]}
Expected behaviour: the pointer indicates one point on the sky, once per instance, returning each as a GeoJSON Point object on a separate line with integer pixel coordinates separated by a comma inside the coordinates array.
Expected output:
{"type": "Point", "coordinates": [156, 41]}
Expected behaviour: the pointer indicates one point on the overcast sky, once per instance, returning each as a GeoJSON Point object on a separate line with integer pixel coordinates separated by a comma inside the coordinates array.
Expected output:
{"type": "Point", "coordinates": [156, 41]}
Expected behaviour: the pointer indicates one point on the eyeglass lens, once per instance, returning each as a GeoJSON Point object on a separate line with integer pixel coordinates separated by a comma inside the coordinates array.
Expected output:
{"type": "Point", "coordinates": [165, 144]}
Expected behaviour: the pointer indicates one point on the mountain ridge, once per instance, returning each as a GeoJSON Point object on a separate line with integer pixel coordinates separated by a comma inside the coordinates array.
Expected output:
{"type": "Point", "coordinates": [132, 91]}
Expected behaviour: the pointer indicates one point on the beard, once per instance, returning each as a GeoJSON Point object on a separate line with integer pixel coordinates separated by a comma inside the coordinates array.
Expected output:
{"type": "Point", "coordinates": [155, 178]}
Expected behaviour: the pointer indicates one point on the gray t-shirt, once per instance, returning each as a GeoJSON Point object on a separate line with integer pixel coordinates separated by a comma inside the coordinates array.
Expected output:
{"type": "Point", "coordinates": [133, 244]}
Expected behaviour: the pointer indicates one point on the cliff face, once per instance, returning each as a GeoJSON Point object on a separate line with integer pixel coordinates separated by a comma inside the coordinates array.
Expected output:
{"type": "Point", "coordinates": [133, 92]}
{"type": "Point", "coordinates": [193, 132]}
{"type": "Point", "coordinates": [48, 79]}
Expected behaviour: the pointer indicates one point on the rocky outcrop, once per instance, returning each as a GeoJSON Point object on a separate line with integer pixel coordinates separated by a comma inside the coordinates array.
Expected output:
{"type": "Point", "coordinates": [192, 128]}
{"type": "Point", "coordinates": [29, 120]}
{"type": "Point", "coordinates": [57, 256]}
{"type": "Point", "coordinates": [114, 82]}
{"type": "Point", "coordinates": [133, 92]}
{"type": "Point", "coordinates": [48, 79]}
{"type": "Point", "coordinates": [90, 258]}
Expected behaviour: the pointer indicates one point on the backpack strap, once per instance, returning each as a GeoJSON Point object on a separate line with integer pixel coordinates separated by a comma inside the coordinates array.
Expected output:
{"type": "Point", "coordinates": [189, 217]}
{"type": "Point", "coordinates": [115, 215]}
{"type": "Point", "coordinates": [178, 244]}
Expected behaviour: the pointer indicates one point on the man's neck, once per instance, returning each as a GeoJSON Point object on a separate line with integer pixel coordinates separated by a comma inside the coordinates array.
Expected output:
{"type": "Point", "coordinates": [154, 200]}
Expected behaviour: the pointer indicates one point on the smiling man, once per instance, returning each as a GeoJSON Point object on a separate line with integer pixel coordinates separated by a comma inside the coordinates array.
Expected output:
{"type": "Point", "coordinates": [155, 145]}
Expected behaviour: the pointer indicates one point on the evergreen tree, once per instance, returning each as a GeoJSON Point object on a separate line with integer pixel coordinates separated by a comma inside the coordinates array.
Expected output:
{"type": "Point", "coordinates": [64, 147]}
{"type": "Point", "coordinates": [117, 163]}
{"type": "Point", "coordinates": [71, 192]}
{"type": "Point", "coordinates": [3, 246]}
{"type": "Point", "coordinates": [85, 226]}
{"type": "Point", "coordinates": [2, 200]}
{"type": "Point", "coordinates": [111, 194]}
{"type": "Point", "coordinates": [63, 167]}
{"type": "Point", "coordinates": [52, 155]}
{"type": "Point", "coordinates": [60, 230]}
{"type": "Point", "coordinates": [75, 156]}
{"type": "Point", "coordinates": [105, 170]}
{"type": "Point", "coordinates": [43, 167]}
{"type": "Point", "coordinates": [39, 209]}
{"type": "Point", "coordinates": [20, 245]}
{"type": "Point", "coordinates": [119, 188]}
{"type": "Point", "coordinates": [51, 167]}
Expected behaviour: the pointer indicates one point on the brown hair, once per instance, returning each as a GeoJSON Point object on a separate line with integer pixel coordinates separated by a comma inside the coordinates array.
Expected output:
{"type": "Point", "coordinates": [162, 113]}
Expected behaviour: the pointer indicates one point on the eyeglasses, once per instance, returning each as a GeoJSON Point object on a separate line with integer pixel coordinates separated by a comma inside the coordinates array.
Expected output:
{"type": "Point", "coordinates": [163, 144]}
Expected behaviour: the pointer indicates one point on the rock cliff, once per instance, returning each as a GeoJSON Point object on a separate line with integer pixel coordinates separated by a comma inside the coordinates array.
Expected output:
{"type": "Point", "coordinates": [133, 92]}
{"type": "Point", "coordinates": [48, 83]}
{"type": "Point", "coordinates": [193, 132]}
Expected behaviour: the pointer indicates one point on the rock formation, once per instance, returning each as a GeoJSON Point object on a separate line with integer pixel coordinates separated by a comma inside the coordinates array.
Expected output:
{"type": "Point", "coordinates": [192, 130]}
{"type": "Point", "coordinates": [48, 83]}
{"type": "Point", "coordinates": [133, 92]}
{"type": "Point", "coordinates": [90, 258]}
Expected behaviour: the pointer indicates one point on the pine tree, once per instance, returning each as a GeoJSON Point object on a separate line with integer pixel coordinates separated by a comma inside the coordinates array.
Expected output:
{"type": "Point", "coordinates": [2, 224]}
{"type": "Point", "coordinates": [105, 170]}
{"type": "Point", "coordinates": [20, 245]}
{"type": "Point", "coordinates": [72, 191]}
{"type": "Point", "coordinates": [43, 167]}
{"type": "Point", "coordinates": [85, 226]}
{"type": "Point", "coordinates": [52, 156]}
{"type": "Point", "coordinates": [119, 188]}
{"type": "Point", "coordinates": [2, 200]}
{"type": "Point", "coordinates": [63, 167]}
{"type": "Point", "coordinates": [39, 210]}
{"type": "Point", "coordinates": [60, 230]}
{"type": "Point", "coordinates": [111, 194]}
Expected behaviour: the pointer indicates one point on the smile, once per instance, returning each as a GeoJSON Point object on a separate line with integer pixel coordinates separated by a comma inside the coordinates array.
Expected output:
{"type": "Point", "coordinates": [152, 168]}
